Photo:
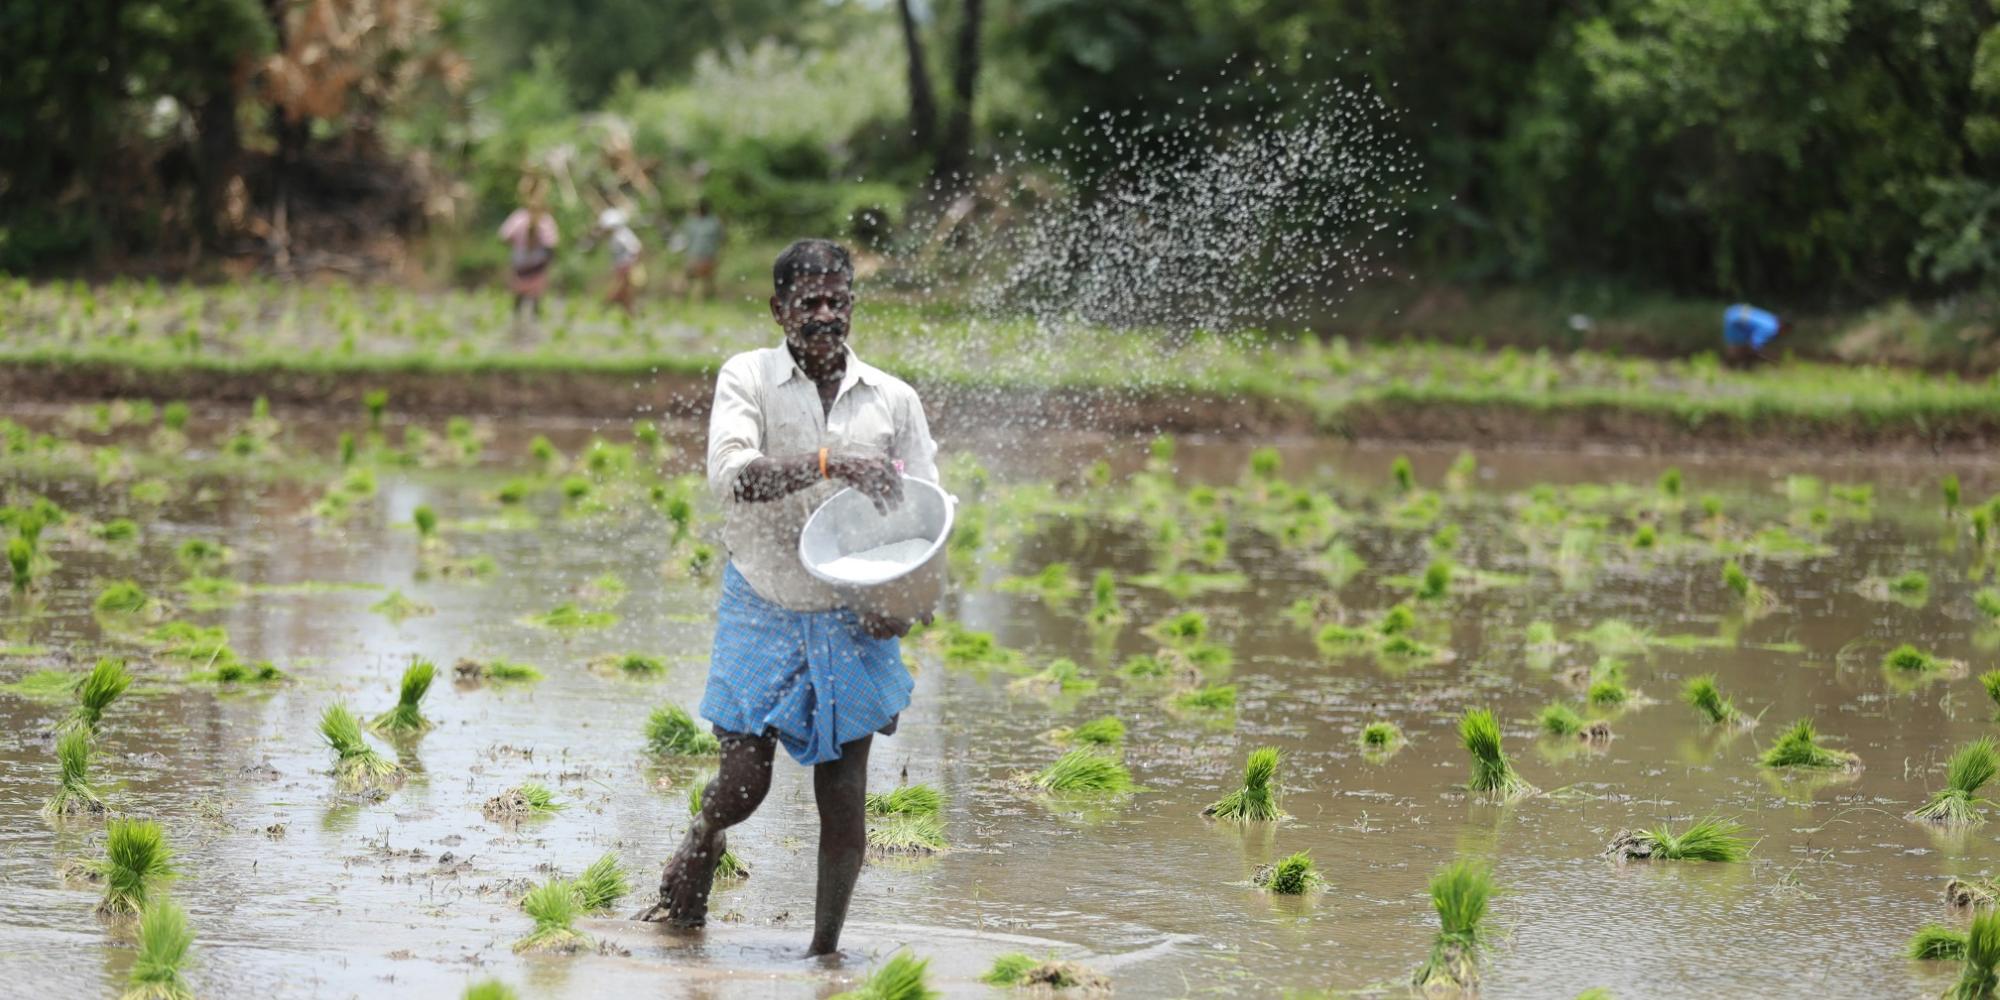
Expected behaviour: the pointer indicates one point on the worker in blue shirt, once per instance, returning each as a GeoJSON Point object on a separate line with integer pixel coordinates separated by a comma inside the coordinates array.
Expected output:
{"type": "Point", "coordinates": [1746, 332]}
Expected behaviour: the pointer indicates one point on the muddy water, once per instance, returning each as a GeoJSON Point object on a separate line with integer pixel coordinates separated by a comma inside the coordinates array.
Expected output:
{"type": "Point", "coordinates": [297, 890]}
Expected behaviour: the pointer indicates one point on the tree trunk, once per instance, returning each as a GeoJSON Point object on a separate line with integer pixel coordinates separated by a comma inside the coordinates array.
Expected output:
{"type": "Point", "coordinates": [923, 103]}
{"type": "Point", "coordinates": [956, 154]}
{"type": "Point", "coordinates": [218, 143]}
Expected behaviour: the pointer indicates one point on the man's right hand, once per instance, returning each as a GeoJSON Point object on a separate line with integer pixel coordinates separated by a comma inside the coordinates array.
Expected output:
{"type": "Point", "coordinates": [874, 475]}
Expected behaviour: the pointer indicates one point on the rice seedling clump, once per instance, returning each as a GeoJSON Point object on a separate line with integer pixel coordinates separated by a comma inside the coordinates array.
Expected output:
{"type": "Point", "coordinates": [354, 761]}
{"type": "Point", "coordinates": [1106, 731]}
{"type": "Point", "coordinates": [1559, 719]}
{"type": "Point", "coordinates": [1937, 943]}
{"type": "Point", "coordinates": [1381, 735]}
{"type": "Point", "coordinates": [164, 940]}
{"type": "Point", "coordinates": [1045, 975]}
{"type": "Point", "coordinates": [906, 800]}
{"type": "Point", "coordinates": [1705, 840]}
{"type": "Point", "coordinates": [408, 716]}
{"type": "Point", "coordinates": [1293, 876]}
{"type": "Point", "coordinates": [1910, 660]}
{"type": "Point", "coordinates": [1702, 694]}
{"type": "Point", "coordinates": [137, 865]}
{"type": "Point", "coordinates": [74, 796]}
{"type": "Point", "coordinates": [491, 989]}
{"type": "Point", "coordinates": [1979, 972]}
{"type": "Point", "coordinates": [906, 834]}
{"type": "Point", "coordinates": [671, 731]}
{"type": "Point", "coordinates": [603, 884]}
{"type": "Point", "coordinates": [554, 906]}
{"type": "Point", "coordinates": [95, 693]}
{"type": "Point", "coordinates": [1491, 771]}
{"type": "Point", "coordinates": [1970, 769]}
{"type": "Point", "coordinates": [1084, 771]}
{"type": "Point", "coordinates": [1460, 894]}
{"type": "Point", "coordinates": [1257, 800]}
{"type": "Point", "coordinates": [1799, 747]}
{"type": "Point", "coordinates": [1990, 680]}
{"type": "Point", "coordinates": [530, 798]}
{"type": "Point", "coordinates": [902, 977]}
{"type": "Point", "coordinates": [1214, 698]}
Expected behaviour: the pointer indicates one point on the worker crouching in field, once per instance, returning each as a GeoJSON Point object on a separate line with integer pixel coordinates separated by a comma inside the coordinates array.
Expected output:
{"type": "Point", "coordinates": [791, 426]}
{"type": "Point", "coordinates": [1747, 333]}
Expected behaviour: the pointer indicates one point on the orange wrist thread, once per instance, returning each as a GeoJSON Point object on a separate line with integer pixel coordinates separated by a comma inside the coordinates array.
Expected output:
{"type": "Point", "coordinates": [822, 463]}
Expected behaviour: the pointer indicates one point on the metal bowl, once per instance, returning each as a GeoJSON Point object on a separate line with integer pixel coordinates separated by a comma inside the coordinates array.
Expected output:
{"type": "Point", "coordinates": [848, 523]}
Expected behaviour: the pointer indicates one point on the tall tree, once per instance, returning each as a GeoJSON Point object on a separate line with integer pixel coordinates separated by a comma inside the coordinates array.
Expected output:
{"type": "Point", "coordinates": [923, 103]}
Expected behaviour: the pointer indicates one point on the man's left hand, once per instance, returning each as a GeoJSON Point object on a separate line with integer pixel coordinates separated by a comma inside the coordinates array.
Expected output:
{"type": "Point", "coordinates": [884, 627]}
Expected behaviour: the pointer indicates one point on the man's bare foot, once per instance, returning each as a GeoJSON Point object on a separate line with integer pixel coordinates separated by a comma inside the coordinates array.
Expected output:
{"type": "Point", "coordinates": [685, 884]}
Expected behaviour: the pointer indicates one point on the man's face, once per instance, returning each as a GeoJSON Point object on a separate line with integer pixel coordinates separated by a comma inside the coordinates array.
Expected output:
{"type": "Point", "coordinates": [814, 313]}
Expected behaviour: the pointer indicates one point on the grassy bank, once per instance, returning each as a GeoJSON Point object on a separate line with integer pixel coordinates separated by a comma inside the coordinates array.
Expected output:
{"type": "Point", "coordinates": [460, 351]}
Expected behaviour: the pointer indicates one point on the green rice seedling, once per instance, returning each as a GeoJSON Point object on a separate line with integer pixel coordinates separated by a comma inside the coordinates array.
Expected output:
{"type": "Point", "coordinates": [1105, 611]}
{"type": "Point", "coordinates": [728, 867]}
{"type": "Point", "coordinates": [491, 989]}
{"type": "Point", "coordinates": [1607, 692]}
{"type": "Point", "coordinates": [1936, 943]}
{"type": "Point", "coordinates": [1265, 463]}
{"type": "Point", "coordinates": [1990, 680]}
{"type": "Point", "coordinates": [1911, 584]}
{"type": "Point", "coordinates": [1381, 735]}
{"type": "Point", "coordinates": [474, 671]}
{"type": "Point", "coordinates": [1183, 628]}
{"type": "Point", "coordinates": [120, 597]}
{"type": "Point", "coordinates": [1799, 747]}
{"type": "Point", "coordinates": [1706, 840]}
{"type": "Point", "coordinates": [1979, 974]}
{"type": "Point", "coordinates": [903, 977]}
{"type": "Point", "coordinates": [603, 884]}
{"type": "Point", "coordinates": [354, 761]}
{"type": "Point", "coordinates": [1970, 769]}
{"type": "Point", "coordinates": [1061, 676]}
{"type": "Point", "coordinates": [1105, 731]}
{"type": "Point", "coordinates": [100, 687]}
{"type": "Point", "coordinates": [345, 449]}
{"type": "Point", "coordinates": [397, 606]}
{"type": "Point", "coordinates": [376, 403]}
{"type": "Point", "coordinates": [1987, 600]}
{"type": "Point", "coordinates": [201, 557]}
{"type": "Point", "coordinates": [569, 616]}
{"type": "Point", "coordinates": [425, 520]}
{"type": "Point", "coordinates": [906, 800]}
{"type": "Point", "coordinates": [1670, 484]}
{"type": "Point", "coordinates": [637, 665]}
{"type": "Point", "coordinates": [1645, 537]}
{"type": "Point", "coordinates": [1559, 719]}
{"type": "Point", "coordinates": [672, 732]}
{"type": "Point", "coordinates": [1161, 449]}
{"type": "Point", "coordinates": [1334, 639]}
{"type": "Point", "coordinates": [701, 560]}
{"type": "Point", "coordinates": [164, 940]}
{"type": "Point", "coordinates": [1009, 969]}
{"type": "Point", "coordinates": [1084, 770]}
{"type": "Point", "coordinates": [21, 560]}
{"type": "Point", "coordinates": [1257, 800]}
{"type": "Point", "coordinates": [408, 716]}
{"type": "Point", "coordinates": [1143, 667]}
{"type": "Point", "coordinates": [1460, 894]}
{"type": "Point", "coordinates": [906, 835]}
{"type": "Point", "coordinates": [1436, 582]}
{"type": "Point", "coordinates": [1982, 525]}
{"type": "Point", "coordinates": [1398, 620]}
{"type": "Point", "coordinates": [530, 798]}
{"type": "Point", "coordinates": [1054, 584]}
{"type": "Point", "coordinates": [554, 905]}
{"type": "Point", "coordinates": [1755, 598]}
{"type": "Point", "coordinates": [1949, 487]}
{"type": "Point", "coordinates": [1491, 772]}
{"type": "Point", "coordinates": [118, 529]}
{"type": "Point", "coordinates": [1908, 659]}
{"type": "Point", "coordinates": [1463, 472]}
{"type": "Point", "coordinates": [74, 795]}
{"type": "Point", "coordinates": [174, 415]}
{"type": "Point", "coordinates": [1045, 976]}
{"type": "Point", "coordinates": [1702, 694]}
{"type": "Point", "coordinates": [1213, 698]}
{"type": "Point", "coordinates": [136, 867]}
{"type": "Point", "coordinates": [1403, 475]}
{"type": "Point", "coordinates": [234, 671]}
{"type": "Point", "coordinates": [1296, 875]}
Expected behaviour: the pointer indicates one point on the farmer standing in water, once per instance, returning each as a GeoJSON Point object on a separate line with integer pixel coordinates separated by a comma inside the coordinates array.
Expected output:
{"type": "Point", "coordinates": [792, 425]}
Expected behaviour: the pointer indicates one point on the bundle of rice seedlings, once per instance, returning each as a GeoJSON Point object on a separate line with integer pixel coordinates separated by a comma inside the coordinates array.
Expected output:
{"type": "Point", "coordinates": [1213, 698]}
{"type": "Point", "coordinates": [1970, 769]}
{"type": "Point", "coordinates": [1755, 598]}
{"type": "Point", "coordinates": [1987, 600]}
{"type": "Point", "coordinates": [671, 731]}
{"type": "Point", "coordinates": [137, 865]}
{"type": "Point", "coordinates": [1293, 876]}
{"type": "Point", "coordinates": [1911, 584]}
{"type": "Point", "coordinates": [903, 977]}
{"type": "Point", "coordinates": [1398, 620]}
{"type": "Point", "coordinates": [491, 989]}
{"type": "Point", "coordinates": [1436, 582]}
{"type": "Point", "coordinates": [1670, 483]}
{"type": "Point", "coordinates": [569, 616]}
{"type": "Point", "coordinates": [354, 761]}
{"type": "Point", "coordinates": [554, 905]}
{"type": "Point", "coordinates": [530, 798]}
{"type": "Point", "coordinates": [234, 671]}
{"type": "Point", "coordinates": [1799, 747]}
{"type": "Point", "coordinates": [1607, 692]}
{"type": "Point", "coordinates": [408, 716]}
{"type": "Point", "coordinates": [164, 940]}
{"type": "Point", "coordinates": [1908, 659]}
{"type": "Point", "coordinates": [74, 796]}
{"type": "Point", "coordinates": [425, 520]}
{"type": "Point", "coordinates": [1186, 627]}
{"type": "Point", "coordinates": [98, 689]}
{"type": "Point", "coordinates": [906, 800]}
{"type": "Point", "coordinates": [603, 884]}
{"type": "Point", "coordinates": [1333, 638]}
{"type": "Point", "coordinates": [398, 606]}
{"type": "Point", "coordinates": [1044, 975]}
{"type": "Point", "coordinates": [201, 557]}
{"type": "Point", "coordinates": [907, 834]}
{"type": "Point", "coordinates": [637, 665]}
{"type": "Point", "coordinates": [1559, 719]}
{"type": "Point", "coordinates": [1702, 694]}
{"type": "Point", "coordinates": [1257, 800]}
{"type": "Point", "coordinates": [1979, 976]}
{"type": "Point", "coordinates": [1106, 731]}
{"type": "Point", "coordinates": [1459, 894]}
{"type": "Point", "coordinates": [1706, 840]}
{"type": "Point", "coordinates": [1105, 611]}
{"type": "Point", "coordinates": [729, 867]}
{"type": "Point", "coordinates": [1084, 771]}
{"type": "Point", "coordinates": [1990, 680]}
{"type": "Point", "coordinates": [1061, 676]}
{"type": "Point", "coordinates": [1404, 476]}
{"type": "Point", "coordinates": [121, 597]}
{"type": "Point", "coordinates": [1949, 487]}
{"type": "Point", "coordinates": [474, 671]}
{"type": "Point", "coordinates": [1970, 893]}
{"type": "Point", "coordinates": [1009, 969]}
{"type": "Point", "coordinates": [1937, 943]}
{"type": "Point", "coordinates": [21, 559]}
{"type": "Point", "coordinates": [376, 402]}
{"type": "Point", "coordinates": [1381, 735]}
{"type": "Point", "coordinates": [1491, 772]}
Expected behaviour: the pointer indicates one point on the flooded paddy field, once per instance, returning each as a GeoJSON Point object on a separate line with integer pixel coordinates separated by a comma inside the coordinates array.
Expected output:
{"type": "Point", "coordinates": [1563, 577]}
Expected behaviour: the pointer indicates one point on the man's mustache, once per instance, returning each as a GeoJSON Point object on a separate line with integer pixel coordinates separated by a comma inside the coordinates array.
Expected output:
{"type": "Point", "coordinates": [827, 329]}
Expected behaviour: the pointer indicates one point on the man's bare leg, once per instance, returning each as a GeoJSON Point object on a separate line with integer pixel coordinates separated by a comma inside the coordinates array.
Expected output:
{"type": "Point", "coordinates": [840, 788]}
{"type": "Point", "coordinates": [736, 791]}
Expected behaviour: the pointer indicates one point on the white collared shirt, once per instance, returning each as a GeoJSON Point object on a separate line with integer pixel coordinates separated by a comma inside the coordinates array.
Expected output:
{"type": "Point", "coordinates": [764, 405]}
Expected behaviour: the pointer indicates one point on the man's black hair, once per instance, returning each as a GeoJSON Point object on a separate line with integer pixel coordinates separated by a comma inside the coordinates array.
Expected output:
{"type": "Point", "coordinates": [809, 257]}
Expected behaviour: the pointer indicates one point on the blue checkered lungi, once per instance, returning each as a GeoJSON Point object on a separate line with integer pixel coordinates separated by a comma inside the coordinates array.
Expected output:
{"type": "Point", "coordinates": [813, 679]}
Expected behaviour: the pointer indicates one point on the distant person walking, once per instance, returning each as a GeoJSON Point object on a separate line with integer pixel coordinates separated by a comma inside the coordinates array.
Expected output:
{"type": "Point", "coordinates": [701, 237]}
{"type": "Point", "coordinates": [530, 234]}
{"type": "Point", "coordinates": [611, 226]}
{"type": "Point", "coordinates": [1746, 332]}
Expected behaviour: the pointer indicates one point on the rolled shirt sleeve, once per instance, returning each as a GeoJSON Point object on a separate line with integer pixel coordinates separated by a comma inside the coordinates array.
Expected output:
{"type": "Point", "coordinates": [735, 427]}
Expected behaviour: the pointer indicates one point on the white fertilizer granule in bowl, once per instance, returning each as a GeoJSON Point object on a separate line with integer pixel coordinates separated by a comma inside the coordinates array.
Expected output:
{"type": "Point", "coordinates": [879, 563]}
